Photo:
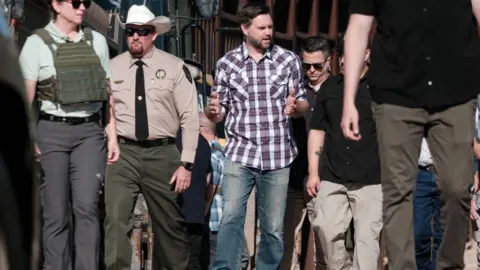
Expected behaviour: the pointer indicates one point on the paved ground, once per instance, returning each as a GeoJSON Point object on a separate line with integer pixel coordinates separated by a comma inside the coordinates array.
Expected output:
{"type": "Point", "coordinates": [471, 258]}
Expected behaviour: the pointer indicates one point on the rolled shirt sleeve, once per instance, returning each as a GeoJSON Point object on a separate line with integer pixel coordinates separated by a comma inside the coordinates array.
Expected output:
{"type": "Point", "coordinates": [185, 97]}
{"type": "Point", "coordinates": [297, 80]}
{"type": "Point", "coordinates": [221, 87]}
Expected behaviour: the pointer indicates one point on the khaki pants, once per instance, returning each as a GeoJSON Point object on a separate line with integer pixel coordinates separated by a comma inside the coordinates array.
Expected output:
{"type": "Point", "coordinates": [450, 135]}
{"type": "Point", "coordinates": [331, 213]}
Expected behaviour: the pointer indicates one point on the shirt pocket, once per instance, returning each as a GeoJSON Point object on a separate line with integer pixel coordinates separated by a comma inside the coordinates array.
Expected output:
{"type": "Point", "coordinates": [122, 93]}
{"type": "Point", "coordinates": [239, 86]}
{"type": "Point", "coordinates": [278, 85]}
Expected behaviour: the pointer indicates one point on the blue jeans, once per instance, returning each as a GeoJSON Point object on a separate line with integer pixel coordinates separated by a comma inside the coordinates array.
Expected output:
{"type": "Point", "coordinates": [426, 207]}
{"type": "Point", "coordinates": [271, 200]}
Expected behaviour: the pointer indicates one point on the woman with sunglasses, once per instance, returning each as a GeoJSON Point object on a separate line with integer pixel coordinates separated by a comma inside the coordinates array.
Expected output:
{"type": "Point", "coordinates": [66, 69]}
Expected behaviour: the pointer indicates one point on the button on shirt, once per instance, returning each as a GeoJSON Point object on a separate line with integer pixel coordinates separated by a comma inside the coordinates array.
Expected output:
{"type": "Point", "coordinates": [426, 54]}
{"type": "Point", "coordinates": [170, 97]}
{"type": "Point", "coordinates": [346, 160]}
{"type": "Point", "coordinates": [425, 158]}
{"type": "Point", "coordinates": [37, 64]}
{"type": "Point", "coordinates": [253, 98]}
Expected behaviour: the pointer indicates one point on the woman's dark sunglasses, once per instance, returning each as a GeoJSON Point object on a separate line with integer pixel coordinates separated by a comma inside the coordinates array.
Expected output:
{"type": "Point", "coordinates": [316, 66]}
{"type": "Point", "coordinates": [76, 3]}
{"type": "Point", "coordinates": [140, 31]}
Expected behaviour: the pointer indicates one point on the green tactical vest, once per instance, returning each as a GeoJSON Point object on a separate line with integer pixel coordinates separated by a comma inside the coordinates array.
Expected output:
{"type": "Point", "coordinates": [80, 75]}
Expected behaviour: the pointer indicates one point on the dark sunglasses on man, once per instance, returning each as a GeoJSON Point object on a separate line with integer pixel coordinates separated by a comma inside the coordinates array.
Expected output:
{"type": "Point", "coordinates": [76, 3]}
{"type": "Point", "coordinates": [142, 32]}
{"type": "Point", "coordinates": [316, 66]}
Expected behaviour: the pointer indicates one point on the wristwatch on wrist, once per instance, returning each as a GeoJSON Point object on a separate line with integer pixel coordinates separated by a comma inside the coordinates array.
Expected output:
{"type": "Point", "coordinates": [187, 165]}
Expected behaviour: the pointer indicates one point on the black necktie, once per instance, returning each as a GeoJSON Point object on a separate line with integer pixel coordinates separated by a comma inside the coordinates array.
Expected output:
{"type": "Point", "coordinates": [141, 119]}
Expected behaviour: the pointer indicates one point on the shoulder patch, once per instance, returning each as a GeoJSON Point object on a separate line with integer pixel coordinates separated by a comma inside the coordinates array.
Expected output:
{"type": "Point", "coordinates": [187, 73]}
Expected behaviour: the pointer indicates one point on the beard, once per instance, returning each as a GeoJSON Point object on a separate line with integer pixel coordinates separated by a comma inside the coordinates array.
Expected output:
{"type": "Point", "coordinates": [136, 51]}
{"type": "Point", "coordinates": [257, 43]}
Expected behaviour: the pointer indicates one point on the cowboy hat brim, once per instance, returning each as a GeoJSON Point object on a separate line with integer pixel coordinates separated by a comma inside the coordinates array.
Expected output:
{"type": "Point", "coordinates": [162, 24]}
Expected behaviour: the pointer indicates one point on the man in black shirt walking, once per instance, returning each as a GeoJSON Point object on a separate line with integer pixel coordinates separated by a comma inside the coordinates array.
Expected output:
{"type": "Point", "coordinates": [424, 80]}
{"type": "Point", "coordinates": [348, 185]}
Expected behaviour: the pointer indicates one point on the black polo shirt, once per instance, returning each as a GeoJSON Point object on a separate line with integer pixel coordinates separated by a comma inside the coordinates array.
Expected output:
{"type": "Point", "coordinates": [425, 54]}
{"type": "Point", "coordinates": [300, 127]}
{"type": "Point", "coordinates": [194, 197]}
{"type": "Point", "coordinates": [346, 160]}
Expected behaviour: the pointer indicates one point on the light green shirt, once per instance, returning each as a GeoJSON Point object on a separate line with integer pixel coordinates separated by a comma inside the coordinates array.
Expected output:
{"type": "Point", "coordinates": [36, 61]}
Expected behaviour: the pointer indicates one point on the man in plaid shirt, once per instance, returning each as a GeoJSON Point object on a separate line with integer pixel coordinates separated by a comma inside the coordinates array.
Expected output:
{"type": "Point", "coordinates": [258, 87]}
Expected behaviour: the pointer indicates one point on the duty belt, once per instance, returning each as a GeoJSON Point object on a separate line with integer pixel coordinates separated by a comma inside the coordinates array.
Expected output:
{"type": "Point", "coordinates": [146, 143]}
{"type": "Point", "coordinates": [70, 120]}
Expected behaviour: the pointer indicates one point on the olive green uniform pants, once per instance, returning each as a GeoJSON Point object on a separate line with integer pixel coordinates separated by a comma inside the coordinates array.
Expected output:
{"type": "Point", "coordinates": [145, 170]}
{"type": "Point", "coordinates": [450, 135]}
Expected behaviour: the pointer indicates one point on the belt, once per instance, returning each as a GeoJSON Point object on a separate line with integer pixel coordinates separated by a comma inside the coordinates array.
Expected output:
{"type": "Point", "coordinates": [70, 120]}
{"type": "Point", "coordinates": [429, 168]}
{"type": "Point", "coordinates": [146, 143]}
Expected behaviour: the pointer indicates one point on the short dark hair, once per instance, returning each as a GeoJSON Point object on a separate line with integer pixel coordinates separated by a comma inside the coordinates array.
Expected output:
{"type": "Point", "coordinates": [250, 11]}
{"type": "Point", "coordinates": [317, 44]}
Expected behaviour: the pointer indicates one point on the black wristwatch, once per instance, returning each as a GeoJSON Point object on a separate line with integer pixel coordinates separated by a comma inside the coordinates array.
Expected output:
{"type": "Point", "coordinates": [187, 165]}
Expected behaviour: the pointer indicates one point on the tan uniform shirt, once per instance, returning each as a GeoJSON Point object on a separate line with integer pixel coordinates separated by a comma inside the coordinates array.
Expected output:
{"type": "Point", "coordinates": [170, 97]}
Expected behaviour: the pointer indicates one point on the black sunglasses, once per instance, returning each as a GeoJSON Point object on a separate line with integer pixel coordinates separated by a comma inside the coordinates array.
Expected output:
{"type": "Point", "coordinates": [316, 66]}
{"type": "Point", "coordinates": [140, 31]}
{"type": "Point", "coordinates": [76, 3]}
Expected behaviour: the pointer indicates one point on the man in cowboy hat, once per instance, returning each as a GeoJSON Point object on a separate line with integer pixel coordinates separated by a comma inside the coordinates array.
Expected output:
{"type": "Point", "coordinates": [155, 96]}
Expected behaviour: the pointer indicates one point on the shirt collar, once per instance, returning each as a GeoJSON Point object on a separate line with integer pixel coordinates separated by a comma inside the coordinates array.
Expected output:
{"type": "Point", "coordinates": [55, 32]}
{"type": "Point", "coordinates": [146, 59]}
{"type": "Point", "coordinates": [268, 52]}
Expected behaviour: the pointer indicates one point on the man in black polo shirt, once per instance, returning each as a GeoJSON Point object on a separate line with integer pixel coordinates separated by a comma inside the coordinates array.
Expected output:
{"type": "Point", "coordinates": [425, 75]}
{"type": "Point", "coordinates": [316, 55]}
{"type": "Point", "coordinates": [194, 201]}
{"type": "Point", "coordinates": [349, 181]}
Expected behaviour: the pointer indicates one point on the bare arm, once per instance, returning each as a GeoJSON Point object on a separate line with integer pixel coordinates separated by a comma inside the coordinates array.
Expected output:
{"type": "Point", "coordinates": [316, 140]}
{"type": "Point", "coordinates": [356, 42]}
{"type": "Point", "coordinates": [476, 10]}
{"type": "Point", "coordinates": [111, 122]}
{"type": "Point", "coordinates": [31, 88]}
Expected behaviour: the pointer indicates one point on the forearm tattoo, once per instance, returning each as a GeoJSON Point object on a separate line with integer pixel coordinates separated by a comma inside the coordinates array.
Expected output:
{"type": "Point", "coordinates": [319, 152]}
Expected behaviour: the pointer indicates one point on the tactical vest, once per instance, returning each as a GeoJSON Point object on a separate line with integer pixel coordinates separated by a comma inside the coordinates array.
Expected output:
{"type": "Point", "coordinates": [80, 75]}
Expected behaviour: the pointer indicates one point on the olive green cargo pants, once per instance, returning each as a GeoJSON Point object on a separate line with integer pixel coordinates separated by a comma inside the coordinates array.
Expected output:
{"type": "Point", "coordinates": [450, 135]}
{"type": "Point", "coordinates": [145, 170]}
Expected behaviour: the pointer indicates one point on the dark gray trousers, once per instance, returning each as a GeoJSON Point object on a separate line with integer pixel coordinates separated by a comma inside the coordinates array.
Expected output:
{"type": "Point", "coordinates": [73, 160]}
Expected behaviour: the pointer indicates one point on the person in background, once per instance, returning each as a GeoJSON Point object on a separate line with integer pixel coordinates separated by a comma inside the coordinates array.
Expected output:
{"type": "Point", "coordinates": [347, 186]}
{"type": "Point", "coordinates": [66, 71]}
{"type": "Point", "coordinates": [258, 88]}
{"type": "Point", "coordinates": [426, 206]}
{"type": "Point", "coordinates": [214, 196]}
{"type": "Point", "coordinates": [475, 190]}
{"type": "Point", "coordinates": [194, 200]}
{"type": "Point", "coordinates": [316, 55]}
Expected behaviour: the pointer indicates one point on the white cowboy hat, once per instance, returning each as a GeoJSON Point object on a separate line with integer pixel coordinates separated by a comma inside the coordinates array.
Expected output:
{"type": "Point", "coordinates": [141, 15]}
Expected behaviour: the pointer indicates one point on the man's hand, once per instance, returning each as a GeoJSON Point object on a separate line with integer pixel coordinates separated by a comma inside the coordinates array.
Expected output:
{"type": "Point", "coordinates": [313, 185]}
{"type": "Point", "coordinates": [473, 209]}
{"type": "Point", "coordinates": [214, 105]}
{"type": "Point", "coordinates": [349, 123]}
{"type": "Point", "coordinates": [37, 152]}
{"type": "Point", "coordinates": [291, 103]}
{"type": "Point", "coordinates": [113, 151]}
{"type": "Point", "coordinates": [182, 177]}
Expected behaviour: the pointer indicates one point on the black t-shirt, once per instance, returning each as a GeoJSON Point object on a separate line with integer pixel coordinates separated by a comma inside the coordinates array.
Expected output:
{"type": "Point", "coordinates": [194, 197]}
{"type": "Point", "coordinates": [425, 54]}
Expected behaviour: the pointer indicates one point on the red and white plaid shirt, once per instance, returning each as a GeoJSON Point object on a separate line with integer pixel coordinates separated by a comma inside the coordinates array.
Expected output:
{"type": "Point", "coordinates": [253, 98]}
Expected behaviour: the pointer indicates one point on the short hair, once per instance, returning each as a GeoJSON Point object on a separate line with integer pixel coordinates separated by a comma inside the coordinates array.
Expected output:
{"type": "Point", "coordinates": [317, 44]}
{"type": "Point", "coordinates": [341, 45]}
{"type": "Point", "coordinates": [206, 123]}
{"type": "Point", "coordinates": [250, 11]}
